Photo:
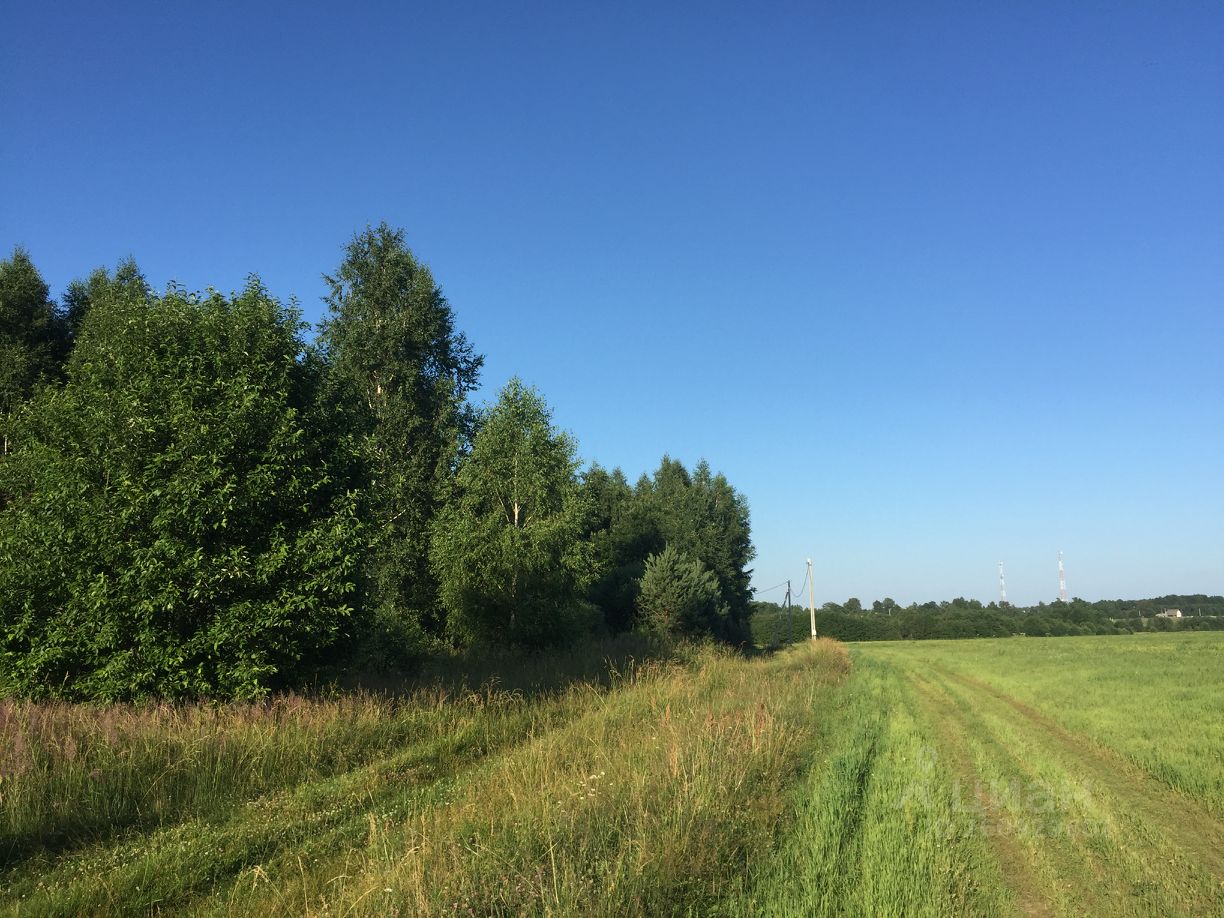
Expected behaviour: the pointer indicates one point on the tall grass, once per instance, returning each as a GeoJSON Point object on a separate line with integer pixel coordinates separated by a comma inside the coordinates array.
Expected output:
{"type": "Point", "coordinates": [917, 782]}
{"type": "Point", "coordinates": [645, 790]}
{"type": "Point", "coordinates": [647, 804]}
{"type": "Point", "coordinates": [75, 774]}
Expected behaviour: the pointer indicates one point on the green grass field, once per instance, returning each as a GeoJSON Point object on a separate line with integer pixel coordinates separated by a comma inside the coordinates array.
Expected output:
{"type": "Point", "coordinates": [1074, 776]}
{"type": "Point", "coordinates": [994, 777]}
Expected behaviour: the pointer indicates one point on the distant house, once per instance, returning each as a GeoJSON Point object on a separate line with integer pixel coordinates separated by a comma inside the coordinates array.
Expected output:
{"type": "Point", "coordinates": [1169, 613]}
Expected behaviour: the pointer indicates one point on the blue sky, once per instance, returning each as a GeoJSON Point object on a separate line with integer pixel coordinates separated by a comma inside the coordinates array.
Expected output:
{"type": "Point", "coordinates": [935, 285]}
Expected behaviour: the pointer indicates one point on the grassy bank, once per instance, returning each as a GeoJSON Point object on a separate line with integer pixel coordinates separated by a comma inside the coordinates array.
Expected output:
{"type": "Point", "coordinates": [646, 792]}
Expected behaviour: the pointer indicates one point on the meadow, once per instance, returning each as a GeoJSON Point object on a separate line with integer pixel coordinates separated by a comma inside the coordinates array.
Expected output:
{"type": "Point", "coordinates": [992, 777]}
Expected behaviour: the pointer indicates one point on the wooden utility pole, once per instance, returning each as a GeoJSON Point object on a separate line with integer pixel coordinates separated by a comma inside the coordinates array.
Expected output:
{"type": "Point", "coordinates": [788, 605]}
{"type": "Point", "coordinates": [811, 599]}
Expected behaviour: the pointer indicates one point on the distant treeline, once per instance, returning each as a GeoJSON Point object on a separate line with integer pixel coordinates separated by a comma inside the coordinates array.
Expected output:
{"type": "Point", "coordinates": [199, 498]}
{"type": "Point", "coordinates": [968, 618]}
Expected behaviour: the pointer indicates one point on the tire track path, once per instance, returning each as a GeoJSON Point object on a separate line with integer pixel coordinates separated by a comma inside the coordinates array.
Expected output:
{"type": "Point", "coordinates": [1189, 825]}
{"type": "Point", "coordinates": [1075, 828]}
{"type": "Point", "coordinates": [1013, 860]}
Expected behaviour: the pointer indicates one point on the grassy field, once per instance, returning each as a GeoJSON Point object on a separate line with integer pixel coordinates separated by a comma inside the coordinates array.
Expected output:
{"type": "Point", "coordinates": [1153, 699]}
{"type": "Point", "coordinates": [1091, 768]}
{"type": "Point", "coordinates": [1013, 776]}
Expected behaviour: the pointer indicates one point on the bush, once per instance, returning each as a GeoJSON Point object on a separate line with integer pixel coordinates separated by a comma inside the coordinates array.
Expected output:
{"type": "Point", "coordinates": [679, 596]}
{"type": "Point", "coordinates": [179, 525]}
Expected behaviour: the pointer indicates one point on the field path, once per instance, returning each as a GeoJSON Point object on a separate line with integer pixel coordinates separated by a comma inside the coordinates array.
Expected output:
{"type": "Point", "coordinates": [1075, 828]}
{"type": "Point", "coordinates": [1184, 820]}
{"type": "Point", "coordinates": [1023, 882]}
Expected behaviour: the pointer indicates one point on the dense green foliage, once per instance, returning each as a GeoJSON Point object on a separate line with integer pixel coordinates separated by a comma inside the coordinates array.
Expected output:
{"type": "Point", "coordinates": [699, 514]}
{"type": "Point", "coordinates": [33, 335]}
{"type": "Point", "coordinates": [101, 285]}
{"type": "Point", "coordinates": [197, 501]}
{"type": "Point", "coordinates": [179, 523]}
{"type": "Point", "coordinates": [402, 374]}
{"type": "Point", "coordinates": [679, 596]}
{"type": "Point", "coordinates": [507, 551]}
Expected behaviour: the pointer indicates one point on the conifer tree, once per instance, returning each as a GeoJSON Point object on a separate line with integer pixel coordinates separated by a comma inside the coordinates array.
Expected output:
{"type": "Point", "coordinates": [33, 336]}
{"type": "Point", "coordinates": [679, 597]}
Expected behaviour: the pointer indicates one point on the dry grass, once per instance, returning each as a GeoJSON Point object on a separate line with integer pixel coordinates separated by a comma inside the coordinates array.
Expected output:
{"type": "Point", "coordinates": [645, 790]}
{"type": "Point", "coordinates": [71, 774]}
{"type": "Point", "coordinates": [647, 801]}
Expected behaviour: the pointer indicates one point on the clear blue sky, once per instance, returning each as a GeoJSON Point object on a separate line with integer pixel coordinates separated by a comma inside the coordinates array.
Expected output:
{"type": "Point", "coordinates": [935, 285]}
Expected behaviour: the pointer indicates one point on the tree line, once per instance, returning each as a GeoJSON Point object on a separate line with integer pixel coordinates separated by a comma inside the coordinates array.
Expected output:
{"type": "Point", "coordinates": [198, 497]}
{"type": "Point", "coordinates": [886, 620]}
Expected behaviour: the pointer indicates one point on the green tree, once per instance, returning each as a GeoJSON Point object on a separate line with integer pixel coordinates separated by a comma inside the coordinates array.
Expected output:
{"type": "Point", "coordinates": [698, 514]}
{"type": "Point", "coordinates": [101, 285]}
{"type": "Point", "coordinates": [508, 551]}
{"type": "Point", "coordinates": [702, 516]}
{"type": "Point", "coordinates": [679, 596]}
{"type": "Point", "coordinates": [181, 522]}
{"type": "Point", "coordinates": [623, 534]}
{"type": "Point", "coordinates": [403, 373]}
{"type": "Point", "coordinates": [33, 336]}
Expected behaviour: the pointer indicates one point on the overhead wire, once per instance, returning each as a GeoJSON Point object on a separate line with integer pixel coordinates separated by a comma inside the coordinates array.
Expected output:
{"type": "Point", "coordinates": [772, 588]}
{"type": "Point", "coordinates": [779, 586]}
{"type": "Point", "coordinates": [805, 580]}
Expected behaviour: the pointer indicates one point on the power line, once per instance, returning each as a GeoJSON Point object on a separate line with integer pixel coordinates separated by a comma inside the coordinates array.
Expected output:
{"type": "Point", "coordinates": [757, 592]}
{"type": "Point", "coordinates": [771, 589]}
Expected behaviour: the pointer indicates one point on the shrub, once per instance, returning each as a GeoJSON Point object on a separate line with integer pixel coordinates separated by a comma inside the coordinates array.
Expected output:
{"type": "Point", "coordinates": [180, 524]}
{"type": "Point", "coordinates": [679, 596]}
